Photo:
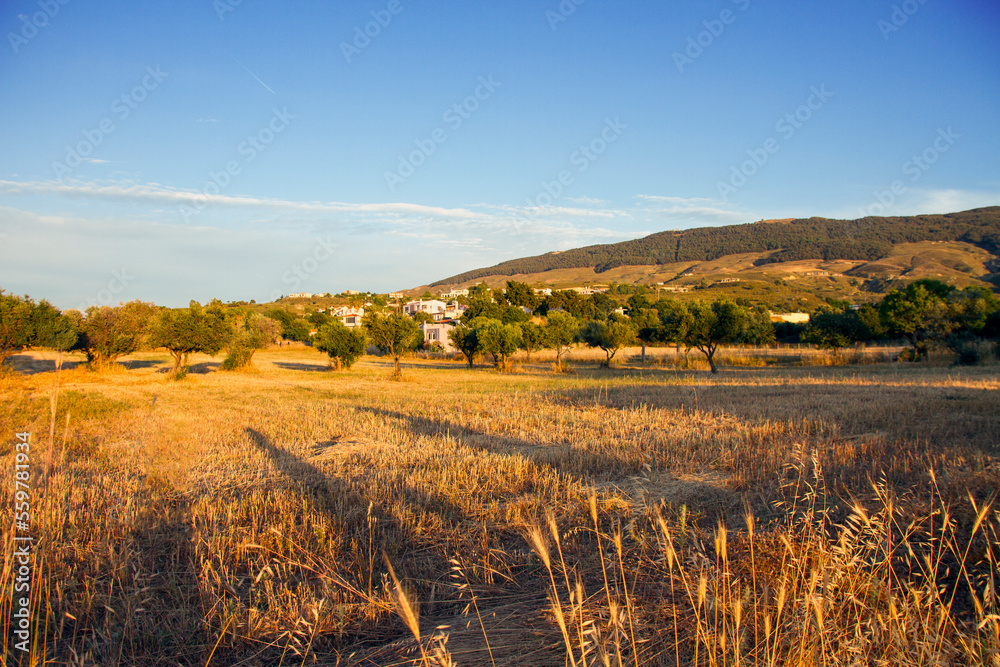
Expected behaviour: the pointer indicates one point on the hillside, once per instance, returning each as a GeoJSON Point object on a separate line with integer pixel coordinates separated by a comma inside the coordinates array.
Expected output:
{"type": "Point", "coordinates": [866, 242]}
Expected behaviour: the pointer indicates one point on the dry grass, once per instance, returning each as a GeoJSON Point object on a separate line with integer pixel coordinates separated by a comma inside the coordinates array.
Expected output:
{"type": "Point", "coordinates": [639, 515]}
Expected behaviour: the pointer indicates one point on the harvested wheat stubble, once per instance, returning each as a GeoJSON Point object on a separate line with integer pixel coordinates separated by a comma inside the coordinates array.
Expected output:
{"type": "Point", "coordinates": [242, 518]}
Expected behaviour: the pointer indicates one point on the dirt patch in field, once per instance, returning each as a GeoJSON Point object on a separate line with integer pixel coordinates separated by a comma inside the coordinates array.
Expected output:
{"type": "Point", "coordinates": [330, 449]}
{"type": "Point", "coordinates": [707, 491]}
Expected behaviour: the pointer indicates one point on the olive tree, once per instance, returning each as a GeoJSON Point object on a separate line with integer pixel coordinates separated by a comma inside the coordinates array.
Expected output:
{"type": "Point", "coordinates": [248, 333]}
{"type": "Point", "coordinates": [918, 314]}
{"type": "Point", "coordinates": [15, 324]}
{"type": "Point", "coordinates": [610, 336]}
{"type": "Point", "coordinates": [709, 325]}
{"type": "Point", "coordinates": [466, 339]}
{"type": "Point", "coordinates": [561, 329]}
{"type": "Point", "coordinates": [392, 334]}
{"type": "Point", "coordinates": [110, 332]}
{"type": "Point", "coordinates": [533, 338]}
{"type": "Point", "coordinates": [342, 344]}
{"type": "Point", "coordinates": [184, 331]}
{"type": "Point", "coordinates": [500, 340]}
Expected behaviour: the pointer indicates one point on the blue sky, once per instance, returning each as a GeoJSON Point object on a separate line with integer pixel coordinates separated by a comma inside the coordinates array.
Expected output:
{"type": "Point", "coordinates": [241, 150]}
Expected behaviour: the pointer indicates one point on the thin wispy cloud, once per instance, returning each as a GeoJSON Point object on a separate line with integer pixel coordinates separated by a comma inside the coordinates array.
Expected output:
{"type": "Point", "coordinates": [154, 192]}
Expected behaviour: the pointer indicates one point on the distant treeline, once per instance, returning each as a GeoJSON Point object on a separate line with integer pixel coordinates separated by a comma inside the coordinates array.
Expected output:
{"type": "Point", "coordinates": [813, 238]}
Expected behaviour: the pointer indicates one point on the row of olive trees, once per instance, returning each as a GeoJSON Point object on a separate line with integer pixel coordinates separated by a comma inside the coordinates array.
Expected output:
{"type": "Point", "coordinates": [696, 325]}
{"type": "Point", "coordinates": [107, 333]}
{"type": "Point", "coordinates": [926, 314]}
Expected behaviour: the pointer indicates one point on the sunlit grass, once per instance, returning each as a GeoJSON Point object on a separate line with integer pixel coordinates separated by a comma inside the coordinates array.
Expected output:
{"type": "Point", "coordinates": [647, 514]}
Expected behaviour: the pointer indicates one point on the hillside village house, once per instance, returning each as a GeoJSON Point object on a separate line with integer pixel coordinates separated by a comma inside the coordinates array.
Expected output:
{"type": "Point", "coordinates": [349, 315]}
{"type": "Point", "coordinates": [454, 293]}
{"type": "Point", "coordinates": [430, 306]}
{"type": "Point", "coordinates": [437, 332]}
{"type": "Point", "coordinates": [439, 310]}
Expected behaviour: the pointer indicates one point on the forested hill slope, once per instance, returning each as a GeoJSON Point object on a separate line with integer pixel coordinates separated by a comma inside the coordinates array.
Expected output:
{"type": "Point", "coordinates": [813, 238]}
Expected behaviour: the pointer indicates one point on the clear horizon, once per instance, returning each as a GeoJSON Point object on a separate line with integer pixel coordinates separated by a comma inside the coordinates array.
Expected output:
{"type": "Point", "coordinates": [233, 149]}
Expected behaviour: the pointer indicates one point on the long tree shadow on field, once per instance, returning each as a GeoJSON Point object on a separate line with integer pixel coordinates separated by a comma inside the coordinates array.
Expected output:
{"type": "Point", "coordinates": [883, 424]}
{"type": "Point", "coordinates": [632, 470]}
{"type": "Point", "coordinates": [300, 366]}
{"type": "Point", "coordinates": [563, 456]}
{"type": "Point", "coordinates": [418, 558]}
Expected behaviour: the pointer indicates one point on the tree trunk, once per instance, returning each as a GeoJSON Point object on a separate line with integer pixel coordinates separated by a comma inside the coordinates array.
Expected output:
{"type": "Point", "coordinates": [397, 372]}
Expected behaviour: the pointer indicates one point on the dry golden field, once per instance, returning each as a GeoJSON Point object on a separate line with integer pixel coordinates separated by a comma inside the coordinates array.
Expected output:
{"type": "Point", "coordinates": [783, 514]}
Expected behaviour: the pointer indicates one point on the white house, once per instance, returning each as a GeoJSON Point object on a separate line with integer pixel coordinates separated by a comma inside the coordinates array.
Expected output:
{"type": "Point", "coordinates": [437, 332]}
{"type": "Point", "coordinates": [543, 291]}
{"type": "Point", "coordinates": [432, 307]}
{"type": "Point", "coordinates": [454, 293]}
{"type": "Point", "coordinates": [349, 315]}
{"type": "Point", "coordinates": [453, 311]}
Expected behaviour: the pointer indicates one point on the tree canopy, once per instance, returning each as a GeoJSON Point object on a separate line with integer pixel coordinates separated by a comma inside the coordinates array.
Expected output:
{"type": "Point", "coordinates": [392, 334]}
{"type": "Point", "coordinates": [184, 331]}
{"type": "Point", "coordinates": [249, 332]}
{"type": "Point", "coordinates": [343, 345]}
{"type": "Point", "coordinates": [610, 336]}
{"type": "Point", "coordinates": [110, 332]}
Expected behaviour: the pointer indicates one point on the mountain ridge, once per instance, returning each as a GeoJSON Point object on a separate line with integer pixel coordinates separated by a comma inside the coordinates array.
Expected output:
{"type": "Point", "coordinates": [784, 240]}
